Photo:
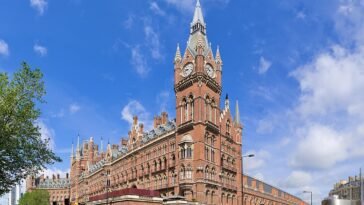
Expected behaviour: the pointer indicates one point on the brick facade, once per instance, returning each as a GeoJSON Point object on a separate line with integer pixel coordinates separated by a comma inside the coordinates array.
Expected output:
{"type": "Point", "coordinates": [197, 156]}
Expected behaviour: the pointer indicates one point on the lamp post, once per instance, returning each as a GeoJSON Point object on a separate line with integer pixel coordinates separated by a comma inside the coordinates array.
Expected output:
{"type": "Point", "coordinates": [310, 193]}
{"type": "Point", "coordinates": [106, 187]}
{"type": "Point", "coordinates": [242, 172]}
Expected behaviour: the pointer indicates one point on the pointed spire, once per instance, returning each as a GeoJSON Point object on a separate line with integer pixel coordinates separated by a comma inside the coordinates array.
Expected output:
{"type": "Point", "coordinates": [78, 149]}
{"type": "Point", "coordinates": [178, 56]}
{"type": "Point", "coordinates": [237, 114]}
{"type": "Point", "coordinates": [198, 17]}
{"type": "Point", "coordinates": [78, 143]}
{"type": "Point", "coordinates": [218, 56]}
{"type": "Point", "coordinates": [72, 151]}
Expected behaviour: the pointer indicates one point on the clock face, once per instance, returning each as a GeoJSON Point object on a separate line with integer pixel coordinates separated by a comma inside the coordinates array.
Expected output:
{"type": "Point", "coordinates": [187, 70]}
{"type": "Point", "coordinates": [210, 71]}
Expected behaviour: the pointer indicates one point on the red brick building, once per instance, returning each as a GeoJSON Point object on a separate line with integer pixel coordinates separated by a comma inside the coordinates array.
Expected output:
{"type": "Point", "coordinates": [197, 156]}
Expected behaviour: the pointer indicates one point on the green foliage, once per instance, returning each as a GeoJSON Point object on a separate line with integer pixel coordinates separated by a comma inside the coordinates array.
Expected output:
{"type": "Point", "coordinates": [36, 197]}
{"type": "Point", "coordinates": [22, 150]}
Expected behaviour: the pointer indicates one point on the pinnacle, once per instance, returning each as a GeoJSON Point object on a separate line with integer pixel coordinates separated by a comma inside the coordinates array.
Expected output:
{"type": "Point", "coordinates": [178, 56]}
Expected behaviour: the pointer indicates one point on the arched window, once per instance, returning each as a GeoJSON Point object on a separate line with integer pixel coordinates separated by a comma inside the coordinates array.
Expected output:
{"type": "Point", "coordinates": [189, 172]}
{"type": "Point", "coordinates": [182, 173]}
{"type": "Point", "coordinates": [213, 155]}
{"type": "Point", "coordinates": [207, 107]}
{"type": "Point", "coordinates": [192, 106]}
{"type": "Point", "coordinates": [214, 110]}
{"type": "Point", "coordinates": [189, 152]}
{"type": "Point", "coordinates": [206, 153]}
{"type": "Point", "coordinates": [228, 127]}
{"type": "Point", "coordinates": [186, 110]}
{"type": "Point", "coordinates": [207, 172]}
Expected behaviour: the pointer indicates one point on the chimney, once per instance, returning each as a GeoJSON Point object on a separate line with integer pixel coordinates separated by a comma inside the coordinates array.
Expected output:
{"type": "Point", "coordinates": [115, 146]}
{"type": "Point", "coordinates": [124, 142]}
{"type": "Point", "coordinates": [57, 176]}
{"type": "Point", "coordinates": [141, 128]}
{"type": "Point", "coordinates": [53, 177]}
{"type": "Point", "coordinates": [135, 120]}
{"type": "Point", "coordinates": [157, 121]}
{"type": "Point", "coordinates": [164, 118]}
{"type": "Point", "coordinates": [67, 175]}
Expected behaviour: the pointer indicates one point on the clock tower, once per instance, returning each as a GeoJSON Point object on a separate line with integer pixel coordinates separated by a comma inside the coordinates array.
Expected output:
{"type": "Point", "coordinates": [209, 140]}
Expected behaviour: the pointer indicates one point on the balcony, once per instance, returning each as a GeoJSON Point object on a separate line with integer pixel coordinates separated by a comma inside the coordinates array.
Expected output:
{"type": "Point", "coordinates": [229, 167]}
{"type": "Point", "coordinates": [212, 127]}
{"type": "Point", "coordinates": [186, 126]}
{"type": "Point", "coordinates": [227, 186]}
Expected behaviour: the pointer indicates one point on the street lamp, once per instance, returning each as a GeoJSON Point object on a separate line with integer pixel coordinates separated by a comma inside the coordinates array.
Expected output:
{"type": "Point", "coordinates": [242, 172]}
{"type": "Point", "coordinates": [310, 193]}
{"type": "Point", "coordinates": [106, 187]}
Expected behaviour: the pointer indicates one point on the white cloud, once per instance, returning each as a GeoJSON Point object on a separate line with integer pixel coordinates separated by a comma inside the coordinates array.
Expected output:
{"type": "Point", "coordinates": [59, 114]}
{"type": "Point", "coordinates": [4, 48]}
{"type": "Point", "coordinates": [333, 82]}
{"type": "Point", "coordinates": [265, 127]}
{"type": "Point", "coordinates": [258, 161]}
{"type": "Point", "coordinates": [322, 147]}
{"type": "Point", "coordinates": [135, 108]}
{"type": "Point", "coordinates": [185, 5]}
{"type": "Point", "coordinates": [156, 9]}
{"type": "Point", "coordinates": [163, 100]}
{"type": "Point", "coordinates": [152, 39]}
{"type": "Point", "coordinates": [189, 5]}
{"type": "Point", "coordinates": [300, 15]}
{"type": "Point", "coordinates": [297, 179]}
{"type": "Point", "coordinates": [264, 65]}
{"type": "Point", "coordinates": [139, 61]}
{"type": "Point", "coordinates": [128, 23]}
{"type": "Point", "coordinates": [40, 50]}
{"type": "Point", "coordinates": [73, 108]}
{"type": "Point", "coordinates": [39, 5]}
{"type": "Point", "coordinates": [47, 134]}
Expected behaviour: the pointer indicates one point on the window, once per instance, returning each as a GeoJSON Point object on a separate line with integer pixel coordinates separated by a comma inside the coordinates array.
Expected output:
{"type": "Point", "coordinates": [186, 110]}
{"type": "Point", "coordinates": [191, 101]}
{"type": "Point", "coordinates": [228, 127]}
{"type": "Point", "coordinates": [213, 155]}
{"type": "Point", "coordinates": [189, 152]}
{"type": "Point", "coordinates": [206, 153]}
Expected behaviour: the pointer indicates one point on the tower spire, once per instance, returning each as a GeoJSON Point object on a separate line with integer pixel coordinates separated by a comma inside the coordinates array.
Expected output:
{"type": "Point", "coordinates": [198, 17]}
{"type": "Point", "coordinates": [198, 32]}
{"type": "Point", "coordinates": [178, 56]}
{"type": "Point", "coordinates": [78, 150]}
{"type": "Point", "coordinates": [237, 114]}
{"type": "Point", "coordinates": [218, 56]}
{"type": "Point", "coordinates": [72, 151]}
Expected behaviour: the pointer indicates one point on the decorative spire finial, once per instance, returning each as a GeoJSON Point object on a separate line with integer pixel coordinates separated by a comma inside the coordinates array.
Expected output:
{"type": "Point", "coordinates": [227, 103]}
{"type": "Point", "coordinates": [218, 56]}
{"type": "Point", "coordinates": [237, 114]}
{"type": "Point", "coordinates": [72, 151]}
{"type": "Point", "coordinates": [198, 17]}
{"type": "Point", "coordinates": [78, 149]}
{"type": "Point", "coordinates": [178, 56]}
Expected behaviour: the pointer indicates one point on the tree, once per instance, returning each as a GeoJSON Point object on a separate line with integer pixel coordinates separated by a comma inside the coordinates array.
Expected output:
{"type": "Point", "coordinates": [36, 197]}
{"type": "Point", "coordinates": [22, 150]}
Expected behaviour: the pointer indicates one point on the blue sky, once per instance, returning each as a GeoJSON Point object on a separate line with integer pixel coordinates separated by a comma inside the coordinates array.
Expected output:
{"type": "Point", "coordinates": [296, 67]}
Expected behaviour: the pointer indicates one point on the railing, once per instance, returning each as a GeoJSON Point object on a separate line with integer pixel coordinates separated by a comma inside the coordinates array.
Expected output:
{"type": "Point", "coordinates": [229, 167]}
